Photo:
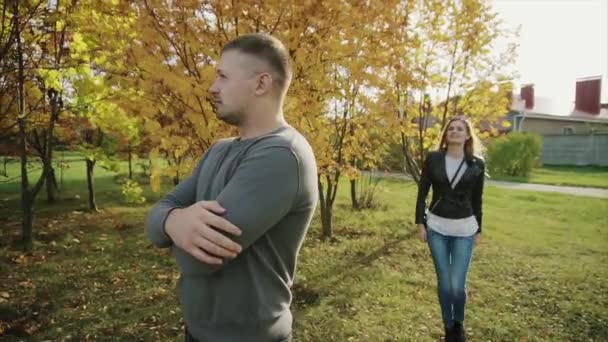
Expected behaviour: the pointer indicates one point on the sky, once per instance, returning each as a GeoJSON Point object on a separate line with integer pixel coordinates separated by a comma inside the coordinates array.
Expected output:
{"type": "Point", "coordinates": [559, 41]}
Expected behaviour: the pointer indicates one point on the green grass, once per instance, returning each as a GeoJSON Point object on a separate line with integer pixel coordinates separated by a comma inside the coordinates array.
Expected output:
{"type": "Point", "coordinates": [538, 275]}
{"type": "Point", "coordinates": [584, 176]}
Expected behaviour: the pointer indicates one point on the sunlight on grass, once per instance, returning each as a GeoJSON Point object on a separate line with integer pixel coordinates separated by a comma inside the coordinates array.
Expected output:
{"type": "Point", "coordinates": [539, 274]}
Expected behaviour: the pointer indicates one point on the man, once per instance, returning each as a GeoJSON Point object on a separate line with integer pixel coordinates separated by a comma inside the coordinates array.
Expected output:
{"type": "Point", "coordinates": [237, 224]}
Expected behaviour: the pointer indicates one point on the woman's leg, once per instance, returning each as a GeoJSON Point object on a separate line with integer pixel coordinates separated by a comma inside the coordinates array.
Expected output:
{"type": "Point", "coordinates": [461, 252]}
{"type": "Point", "coordinates": [440, 251]}
{"type": "Point", "coordinates": [188, 337]}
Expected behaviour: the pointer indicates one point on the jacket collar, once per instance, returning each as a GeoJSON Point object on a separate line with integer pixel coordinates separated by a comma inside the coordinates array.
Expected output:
{"type": "Point", "coordinates": [469, 158]}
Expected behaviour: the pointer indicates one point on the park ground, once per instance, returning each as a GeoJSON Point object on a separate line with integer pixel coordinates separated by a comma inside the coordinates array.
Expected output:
{"type": "Point", "coordinates": [539, 273]}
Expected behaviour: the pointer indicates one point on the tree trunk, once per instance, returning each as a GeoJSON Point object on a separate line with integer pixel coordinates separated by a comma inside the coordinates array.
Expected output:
{"type": "Point", "coordinates": [353, 194]}
{"type": "Point", "coordinates": [26, 202]}
{"type": "Point", "coordinates": [27, 196]}
{"type": "Point", "coordinates": [91, 184]}
{"type": "Point", "coordinates": [325, 211]}
{"type": "Point", "coordinates": [177, 176]}
{"type": "Point", "coordinates": [327, 222]}
{"type": "Point", "coordinates": [4, 168]}
{"type": "Point", "coordinates": [326, 200]}
{"type": "Point", "coordinates": [46, 150]}
{"type": "Point", "coordinates": [410, 163]}
{"type": "Point", "coordinates": [52, 193]}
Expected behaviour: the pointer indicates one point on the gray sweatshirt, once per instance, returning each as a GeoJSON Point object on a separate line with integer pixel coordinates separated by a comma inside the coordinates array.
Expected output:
{"type": "Point", "coordinates": [268, 186]}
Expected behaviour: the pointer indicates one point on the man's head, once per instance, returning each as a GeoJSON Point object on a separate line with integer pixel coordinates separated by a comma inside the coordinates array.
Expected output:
{"type": "Point", "coordinates": [253, 68]}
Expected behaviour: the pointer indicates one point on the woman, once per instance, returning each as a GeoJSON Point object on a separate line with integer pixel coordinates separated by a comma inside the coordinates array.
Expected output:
{"type": "Point", "coordinates": [452, 225]}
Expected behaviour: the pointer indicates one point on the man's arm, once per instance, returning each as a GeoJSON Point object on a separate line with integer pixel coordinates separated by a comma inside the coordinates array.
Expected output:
{"type": "Point", "coordinates": [261, 192]}
{"type": "Point", "coordinates": [183, 195]}
{"type": "Point", "coordinates": [258, 195]}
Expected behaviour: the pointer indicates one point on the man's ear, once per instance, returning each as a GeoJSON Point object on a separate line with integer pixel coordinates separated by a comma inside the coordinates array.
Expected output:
{"type": "Point", "coordinates": [263, 84]}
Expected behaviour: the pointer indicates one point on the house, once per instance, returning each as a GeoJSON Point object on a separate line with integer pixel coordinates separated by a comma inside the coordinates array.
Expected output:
{"type": "Point", "coordinates": [546, 117]}
{"type": "Point", "coordinates": [572, 135]}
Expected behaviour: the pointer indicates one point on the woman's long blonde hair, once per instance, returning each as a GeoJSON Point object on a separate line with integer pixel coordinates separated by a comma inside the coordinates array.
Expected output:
{"type": "Point", "coordinates": [472, 147]}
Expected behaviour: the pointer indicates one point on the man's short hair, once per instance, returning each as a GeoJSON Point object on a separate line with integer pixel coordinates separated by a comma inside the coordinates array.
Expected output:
{"type": "Point", "coordinates": [268, 49]}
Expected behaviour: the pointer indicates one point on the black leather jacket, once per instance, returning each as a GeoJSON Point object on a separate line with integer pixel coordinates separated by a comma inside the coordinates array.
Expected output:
{"type": "Point", "coordinates": [462, 201]}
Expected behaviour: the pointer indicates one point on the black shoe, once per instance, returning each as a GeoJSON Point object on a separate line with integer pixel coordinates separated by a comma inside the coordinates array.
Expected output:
{"type": "Point", "coordinates": [449, 335]}
{"type": "Point", "coordinates": [459, 333]}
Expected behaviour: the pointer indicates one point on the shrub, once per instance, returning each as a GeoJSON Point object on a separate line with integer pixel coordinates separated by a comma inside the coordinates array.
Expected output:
{"type": "Point", "coordinates": [514, 154]}
{"type": "Point", "coordinates": [132, 192]}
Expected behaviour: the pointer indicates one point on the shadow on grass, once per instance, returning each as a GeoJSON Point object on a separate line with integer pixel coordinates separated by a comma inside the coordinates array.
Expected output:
{"type": "Point", "coordinates": [306, 296]}
{"type": "Point", "coordinates": [73, 198]}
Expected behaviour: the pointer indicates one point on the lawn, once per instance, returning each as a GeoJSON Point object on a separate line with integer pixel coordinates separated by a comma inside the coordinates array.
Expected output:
{"type": "Point", "coordinates": [585, 176]}
{"type": "Point", "coordinates": [538, 275]}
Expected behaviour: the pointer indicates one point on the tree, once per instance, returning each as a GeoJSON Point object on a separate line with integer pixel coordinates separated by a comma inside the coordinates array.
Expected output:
{"type": "Point", "coordinates": [97, 90]}
{"type": "Point", "coordinates": [170, 63]}
{"type": "Point", "coordinates": [348, 79]}
{"type": "Point", "coordinates": [9, 30]}
{"type": "Point", "coordinates": [49, 58]}
{"type": "Point", "coordinates": [446, 48]}
{"type": "Point", "coordinates": [45, 55]}
{"type": "Point", "coordinates": [28, 194]}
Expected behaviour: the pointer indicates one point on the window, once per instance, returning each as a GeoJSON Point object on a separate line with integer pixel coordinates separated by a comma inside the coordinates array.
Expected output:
{"type": "Point", "coordinates": [568, 130]}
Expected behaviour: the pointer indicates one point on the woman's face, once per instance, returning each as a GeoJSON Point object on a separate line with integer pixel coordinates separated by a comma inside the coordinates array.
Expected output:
{"type": "Point", "coordinates": [457, 133]}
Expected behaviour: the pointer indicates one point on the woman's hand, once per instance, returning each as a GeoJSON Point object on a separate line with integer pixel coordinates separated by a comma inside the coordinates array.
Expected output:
{"type": "Point", "coordinates": [477, 238]}
{"type": "Point", "coordinates": [421, 232]}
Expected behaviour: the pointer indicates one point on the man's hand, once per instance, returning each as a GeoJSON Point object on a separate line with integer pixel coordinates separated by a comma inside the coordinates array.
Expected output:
{"type": "Point", "coordinates": [195, 230]}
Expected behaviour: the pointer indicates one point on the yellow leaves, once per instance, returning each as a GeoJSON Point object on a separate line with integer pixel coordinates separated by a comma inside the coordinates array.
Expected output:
{"type": "Point", "coordinates": [178, 146]}
{"type": "Point", "coordinates": [155, 172]}
{"type": "Point", "coordinates": [100, 60]}
{"type": "Point", "coordinates": [78, 47]}
{"type": "Point", "coordinates": [153, 128]}
{"type": "Point", "coordinates": [59, 25]}
{"type": "Point", "coordinates": [52, 79]}
{"type": "Point", "coordinates": [132, 192]}
{"type": "Point", "coordinates": [359, 56]}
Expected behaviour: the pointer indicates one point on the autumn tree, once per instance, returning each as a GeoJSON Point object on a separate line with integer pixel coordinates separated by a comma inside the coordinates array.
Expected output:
{"type": "Point", "coordinates": [98, 85]}
{"type": "Point", "coordinates": [17, 53]}
{"type": "Point", "coordinates": [9, 30]}
{"type": "Point", "coordinates": [47, 62]}
{"type": "Point", "coordinates": [376, 74]}
{"type": "Point", "coordinates": [447, 64]}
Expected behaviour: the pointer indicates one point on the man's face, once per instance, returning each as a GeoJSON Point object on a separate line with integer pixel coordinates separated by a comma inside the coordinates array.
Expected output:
{"type": "Point", "coordinates": [234, 87]}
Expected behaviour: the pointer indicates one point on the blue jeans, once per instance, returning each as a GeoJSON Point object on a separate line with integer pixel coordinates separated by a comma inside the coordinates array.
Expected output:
{"type": "Point", "coordinates": [452, 257]}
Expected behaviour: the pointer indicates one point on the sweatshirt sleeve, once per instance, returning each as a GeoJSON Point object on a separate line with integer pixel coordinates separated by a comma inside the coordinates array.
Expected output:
{"type": "Point", "coordinates": [261, 192]}
{"type": "Point", "coordinates": [183, 195]}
